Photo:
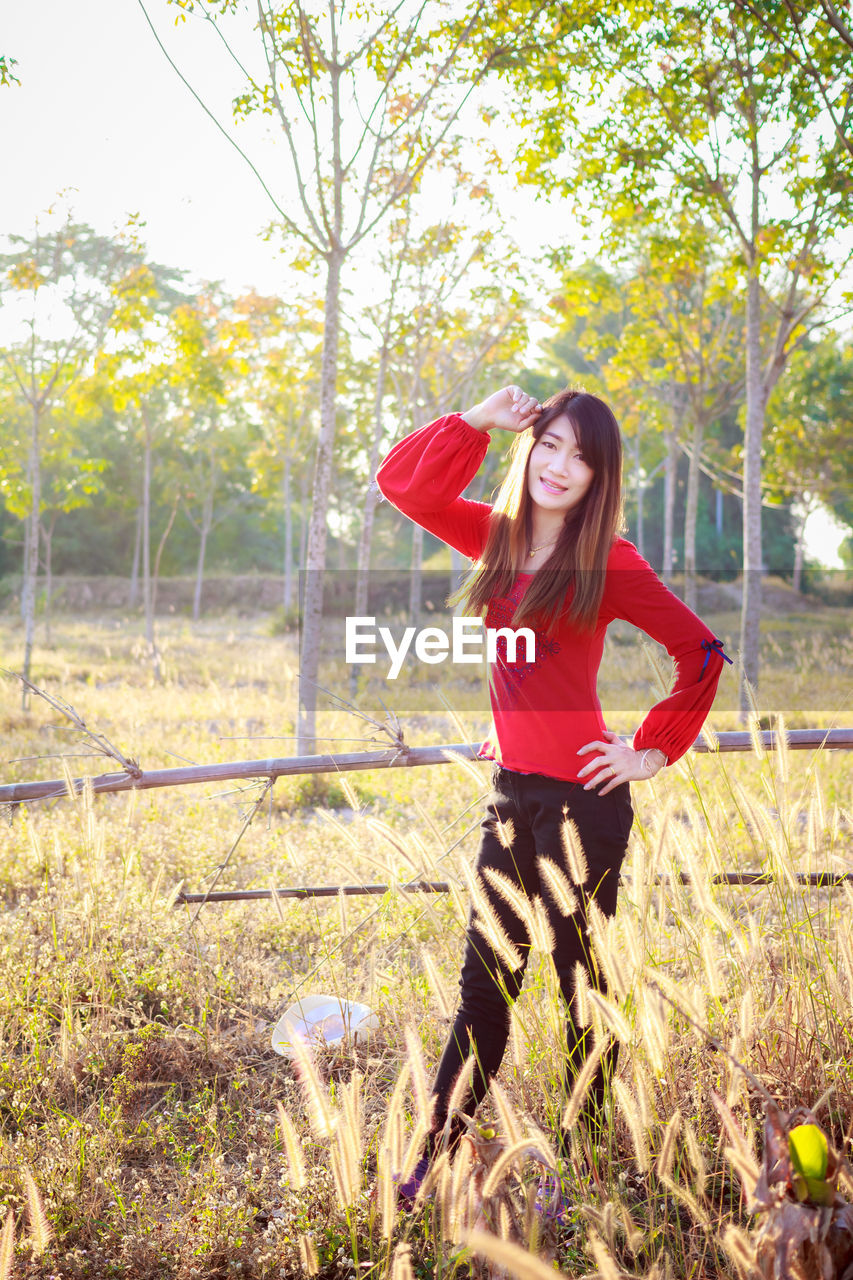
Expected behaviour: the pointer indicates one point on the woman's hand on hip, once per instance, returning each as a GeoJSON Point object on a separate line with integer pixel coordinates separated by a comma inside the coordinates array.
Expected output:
{"type": "Point", "coordinates": [510, 408]}
{"type": "Point", "coordinates": [616, 762]}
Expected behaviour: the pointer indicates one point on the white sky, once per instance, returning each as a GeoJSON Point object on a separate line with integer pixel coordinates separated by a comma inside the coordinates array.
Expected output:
{"type": "Point", "coordinates": [101, 116]}
{"type": "Point", "coordinates": [100, 110]}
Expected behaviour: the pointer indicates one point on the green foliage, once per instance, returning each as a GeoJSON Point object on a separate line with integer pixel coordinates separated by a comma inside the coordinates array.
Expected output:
{"type": "Point", "coordinates": [810, 443]}
{"type": "Point", "coordinates": [662, 339]}
{"type": "Point", "coordinates": [7, 75]}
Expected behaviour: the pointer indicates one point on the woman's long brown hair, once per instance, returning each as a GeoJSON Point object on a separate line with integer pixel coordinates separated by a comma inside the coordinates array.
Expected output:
{"type": "Point", "coordinates": [572, 584]}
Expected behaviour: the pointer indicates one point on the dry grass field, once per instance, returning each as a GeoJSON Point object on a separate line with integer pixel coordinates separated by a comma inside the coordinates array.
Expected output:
{"type": "Point", "coordinates": [147, 1129]}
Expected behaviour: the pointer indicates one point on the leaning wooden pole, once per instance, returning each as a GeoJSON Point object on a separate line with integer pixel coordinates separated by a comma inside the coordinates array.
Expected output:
{"type": "Point", "coordinates": [348, 762]}
{"type": "Point", "coordinates": [237, 770]}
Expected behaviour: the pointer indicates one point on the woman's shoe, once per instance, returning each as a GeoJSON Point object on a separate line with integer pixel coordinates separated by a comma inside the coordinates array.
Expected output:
{"type": "Point", "coordinates": [553, 1202]}
{"type": "Point", "coordinates": [407, 1192]}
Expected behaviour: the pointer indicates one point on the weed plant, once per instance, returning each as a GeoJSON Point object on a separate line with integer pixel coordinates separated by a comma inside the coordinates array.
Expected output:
{"type": "Point", "coordinates": [147, 1129]}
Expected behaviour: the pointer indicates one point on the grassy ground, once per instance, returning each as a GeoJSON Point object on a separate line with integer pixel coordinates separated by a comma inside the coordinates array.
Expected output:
{"type": "Point", "coordinates": [141, 1123]}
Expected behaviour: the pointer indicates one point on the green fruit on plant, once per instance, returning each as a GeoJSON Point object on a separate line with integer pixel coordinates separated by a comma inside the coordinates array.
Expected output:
{"type": "Point", "coordinates": [808, 1150]}
{"type": "Point", "coordinates": [809, 1158]}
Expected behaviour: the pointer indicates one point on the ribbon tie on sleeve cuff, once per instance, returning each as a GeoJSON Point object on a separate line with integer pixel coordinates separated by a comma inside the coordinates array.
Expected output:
{"type": "Point", "coordinates": [712, 646]}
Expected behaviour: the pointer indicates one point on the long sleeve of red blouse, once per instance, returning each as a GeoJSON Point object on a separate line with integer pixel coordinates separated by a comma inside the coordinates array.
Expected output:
{"type": "Point", "coordinates": [633, 591]}
{"type": "Point", "coordinates": [424, 475]}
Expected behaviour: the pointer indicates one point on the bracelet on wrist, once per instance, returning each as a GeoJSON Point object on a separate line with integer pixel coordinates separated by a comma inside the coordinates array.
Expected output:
{"type": "Point", "coordinates": [644, 765]}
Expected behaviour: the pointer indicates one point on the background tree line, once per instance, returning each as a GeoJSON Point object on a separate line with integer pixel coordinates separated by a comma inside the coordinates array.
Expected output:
{"type": "Point", "coordinates": [186, 436]}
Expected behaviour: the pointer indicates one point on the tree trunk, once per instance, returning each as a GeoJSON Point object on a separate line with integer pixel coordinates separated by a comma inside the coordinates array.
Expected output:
{"type": "Point", "coordinates": [47, 537]}
{"type": "Point", "coordinates": [416, 575]}
{"type": "Point", "coordinates": [25, 558]}
{"type": "Point", "coordinates": [287, 501]}
{"type": "Point", "coordinates": [638, 480]}
{"type": "Point", "coordinates": [691, 514]}
{"type": "Point", "coordinates": [670, 484]}
{"type": "Point", "coordinates": [371, 497]}
{"type": "Point", "coordinates": [457, 569]}
{"type": "Point", "coordinates": [134, 568]}
{"type": "Point", "coordinates": [800, 546]}
{"type": "Point", "coordinates": [155, 577]}
{"type": "Point", "coordinates": [718, 512]}
{"type": "Point", "coordinates": [204, 530]}
{"type": "Point", "coordinates": [31, 564]}
{"type": "Point", "coordinates": [365, 547]}
{"type": "Point", "coordinates": [303, 520]}
{"type": "Point", "coordinates": [362, 574]}
{"type": "Point", "coordinates": [205, 524]}
{"type": "Point", "coordinates": [147, 594]}
{"type": "Point", "coordinates": [752, 561]}
{"type": "Point", "coordinates": [312, 615]}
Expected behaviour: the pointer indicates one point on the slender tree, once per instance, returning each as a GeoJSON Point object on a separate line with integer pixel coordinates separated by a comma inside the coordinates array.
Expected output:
{"type": "Point", "coordinates": [441, 320]}
{"type": "Point", "coordinates": [7, 75]}
{"type": "Point", "coordinates": [817, 36]}
{"type": "Point", "coordinates": [590, 347]}
{"type": "Point", "coordinates": [809, 450]}
{"type": "Point", "coordinates": [277, 347]}
{"type": "Point", "coordinates": [684, 337]}
{"type": "Point", "coordinates": [136, 377]}
{"type": "Point", "coordinates": [73, 476]}
{"type": "Point", "coordinates": [62, 286]}
{"type": "Point", "coordinates": [210, 423]}
{"type": "Point", "coordinates": [365, 98]}
{"type": "Point", "coordinates": [705, 110]}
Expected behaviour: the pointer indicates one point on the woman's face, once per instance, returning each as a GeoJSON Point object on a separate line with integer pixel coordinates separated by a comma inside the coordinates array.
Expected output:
{"type": "Point", "coordinates": [558, 478]}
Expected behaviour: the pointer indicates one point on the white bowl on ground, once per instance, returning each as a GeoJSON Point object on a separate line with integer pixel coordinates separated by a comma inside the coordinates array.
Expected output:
{"type": "Point", "coordinates": [321, 1019]}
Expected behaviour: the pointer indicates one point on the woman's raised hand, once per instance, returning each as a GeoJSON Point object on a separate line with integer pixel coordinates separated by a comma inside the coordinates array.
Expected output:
{"type": "Point", "coordinates": [510, 408]}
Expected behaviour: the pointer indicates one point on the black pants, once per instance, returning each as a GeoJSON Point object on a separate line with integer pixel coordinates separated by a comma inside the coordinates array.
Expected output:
{"type": "Point", "coordinates": [534, 808]}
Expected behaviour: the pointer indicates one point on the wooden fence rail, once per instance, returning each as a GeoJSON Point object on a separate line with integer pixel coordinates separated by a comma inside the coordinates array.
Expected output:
{"type": "Point", "coordinates": [816, 879]}
{"type": "Point", "coordinates": [347, 762]}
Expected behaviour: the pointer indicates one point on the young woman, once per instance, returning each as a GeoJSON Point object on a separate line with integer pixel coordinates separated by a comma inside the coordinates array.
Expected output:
{"type": "Point", "coordinates": [547, 556]}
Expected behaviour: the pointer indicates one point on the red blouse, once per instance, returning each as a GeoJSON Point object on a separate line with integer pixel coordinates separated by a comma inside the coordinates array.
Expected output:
{"type": "Point", "coordinates": [544, 710]}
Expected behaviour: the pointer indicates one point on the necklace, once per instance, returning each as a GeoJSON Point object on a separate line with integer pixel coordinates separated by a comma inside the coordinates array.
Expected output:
{"type": "Point", "coordinates": [541, 547]}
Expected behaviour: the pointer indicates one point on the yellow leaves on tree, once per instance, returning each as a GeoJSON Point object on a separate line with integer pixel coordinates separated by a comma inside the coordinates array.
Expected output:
{"type": "Point", "coordinates": [25, 275]}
